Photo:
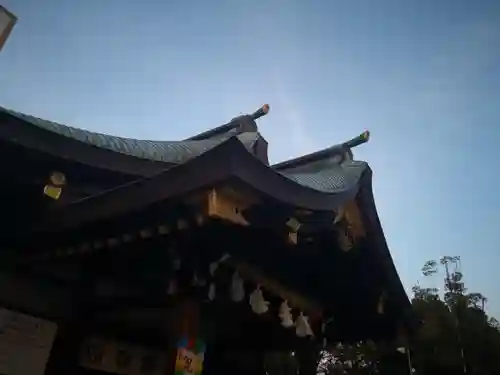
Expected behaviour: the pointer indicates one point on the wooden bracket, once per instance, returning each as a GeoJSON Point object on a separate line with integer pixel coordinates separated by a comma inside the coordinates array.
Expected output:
{"type": "Point", "coordinates": [345, 242]}
{"type": "Point", "coordinates": [227, 205]}
{"type": "Point", "coordinates": [381, 303]}
{"type": "Point", "coordinates": [350, 214]}
{"type": "Point", "coordinates": [294, 225]}
{"type": "Point", "coordinates": [349, 217]}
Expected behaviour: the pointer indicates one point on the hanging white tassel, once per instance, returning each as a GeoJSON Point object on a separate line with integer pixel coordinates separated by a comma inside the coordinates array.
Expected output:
{"type": "Point", "coordinates": [237, 288]}
{"type": "Point", "coordinates": [258, 303]}
{"type": "Point", "coordinates": [211, 291]}
{"type": "Point", "coordinates": [285, 315]}
{"type": "Point", "coordinates": [340, 215]}
{"type": "Point", "coordinates": [172, 288]}
{"type": "Point", "coordinates": [303, 327]}
{"type": "Point", "coordinates": [213, 267]}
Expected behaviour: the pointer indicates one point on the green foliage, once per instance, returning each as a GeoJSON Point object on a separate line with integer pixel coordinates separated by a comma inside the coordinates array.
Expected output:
{"type": "Point", "coordinates": [456, 335]}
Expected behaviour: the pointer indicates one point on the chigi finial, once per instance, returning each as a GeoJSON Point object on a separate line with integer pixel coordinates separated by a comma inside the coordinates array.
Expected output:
{"type": "Point", "coordinates": [262, 111]}
{"type": "Point", "coordinates": [359, 140]}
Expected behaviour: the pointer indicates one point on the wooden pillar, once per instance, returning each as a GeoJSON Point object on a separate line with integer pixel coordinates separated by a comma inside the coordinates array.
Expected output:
{"type": "Point", "coordinates": [307, 357]}
{"type": "Point", "coordinates": [230, 353]}
{"type": "Point", "coordinates": [64, 357]}
{"type": "Point", "coordinates": [188, 318]}
{"type": "Point", "coordinates": [185, 326]}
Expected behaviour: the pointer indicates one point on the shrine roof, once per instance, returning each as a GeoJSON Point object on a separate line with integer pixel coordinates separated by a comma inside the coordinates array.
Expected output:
{"type": "Point", "coordinates": [170, 152]}
{"type": "Point", "coordinates": [324, 189]}
{"type": "Point", "coordinates": [321, 181]}
{"type": "Point", "coordinates": [326, 171]}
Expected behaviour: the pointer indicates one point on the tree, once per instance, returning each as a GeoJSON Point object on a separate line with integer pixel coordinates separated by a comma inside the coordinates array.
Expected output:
{"type": "Point", "coordinates": [456, 335]}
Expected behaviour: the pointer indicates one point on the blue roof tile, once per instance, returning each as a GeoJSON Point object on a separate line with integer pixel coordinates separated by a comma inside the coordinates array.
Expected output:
{"type": "Point", "coordinates": [334, 178]}
{"type": "Point", "coordinates": [174, 152]}
{"type": "Point", "coordinates": [325, 175]}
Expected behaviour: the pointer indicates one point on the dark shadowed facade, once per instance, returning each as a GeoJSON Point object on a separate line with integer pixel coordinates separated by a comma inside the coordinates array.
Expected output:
{"type": "Point", "coordinates": [148, 255]}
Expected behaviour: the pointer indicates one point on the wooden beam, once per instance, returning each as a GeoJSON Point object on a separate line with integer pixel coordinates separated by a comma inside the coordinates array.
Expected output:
{"type": "Point", "coordinates": [353, 218]}
{"type": "Point", "coordinates": [251, 273]}
{"type": "Point", "coordinates": [7, 22]}
{"type": "Point", "coordinates": [223, 202]}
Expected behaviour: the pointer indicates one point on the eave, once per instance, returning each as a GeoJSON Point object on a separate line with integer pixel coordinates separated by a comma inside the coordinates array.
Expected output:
{"type": "Point", "coordinates": [228, 163]}
{"type": "Point", "coordinates": [139, 158]}
{"type": "Point", "coordinates": [229, 160]}
{"type": "Point", "coordinates": [375, 232]}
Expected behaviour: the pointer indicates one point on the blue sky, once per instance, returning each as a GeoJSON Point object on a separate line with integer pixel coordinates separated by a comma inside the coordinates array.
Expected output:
{"type": "Point", "coordinates": [423, 76]}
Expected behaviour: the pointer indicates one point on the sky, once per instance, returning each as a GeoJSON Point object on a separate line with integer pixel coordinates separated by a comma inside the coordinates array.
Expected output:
{"type": "Point", "coordinates": [423, 76]}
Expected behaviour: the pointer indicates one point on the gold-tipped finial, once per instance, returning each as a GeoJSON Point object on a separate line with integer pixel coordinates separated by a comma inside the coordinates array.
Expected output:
{"type": "Point", "coordinates": [359, 140]}
{"type": "Point", "coordinates": [262, 111]}
{"type": "Point", "coordinates": [366, 135]}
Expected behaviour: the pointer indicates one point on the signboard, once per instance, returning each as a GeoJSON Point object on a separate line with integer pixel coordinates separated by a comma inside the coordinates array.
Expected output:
{"type": "Point", "coordinates": [25, 343]}
{"type": "Point", "coordinates": [121, 358]}
{"type": "Point", "coordinates": [190, 356]}
{"type": "Point", "coordinates": [7, 22]}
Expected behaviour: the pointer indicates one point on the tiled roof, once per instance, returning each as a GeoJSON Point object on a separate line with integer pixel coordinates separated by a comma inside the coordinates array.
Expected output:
{"type": "Point", "coordinates": [325, 175]}
{"type": "Point", "coordinates": [175, 152]}
{"type": "Point", "coordinates": [333, 178]}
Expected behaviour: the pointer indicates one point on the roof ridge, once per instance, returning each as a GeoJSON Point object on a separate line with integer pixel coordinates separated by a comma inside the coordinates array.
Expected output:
{"type": "Point", "coordinates": [164, 151]}
{"type": "Point", "coordinates": [239, 124]}
{"type": "Point", "coordinates": [27, 117]}
{"type": "Point", "coordinates": [327, 153]}
{"type": "Point", "coordinates": [222, 130]}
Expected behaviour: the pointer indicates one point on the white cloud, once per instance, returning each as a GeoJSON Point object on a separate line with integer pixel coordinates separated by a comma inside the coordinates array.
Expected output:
{"type": "Point", "coordinates": [293, 138]}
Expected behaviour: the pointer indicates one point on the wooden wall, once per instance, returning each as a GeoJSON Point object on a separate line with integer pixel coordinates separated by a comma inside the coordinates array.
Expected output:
{"type": "Point", "coordinates": [34, 297]}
